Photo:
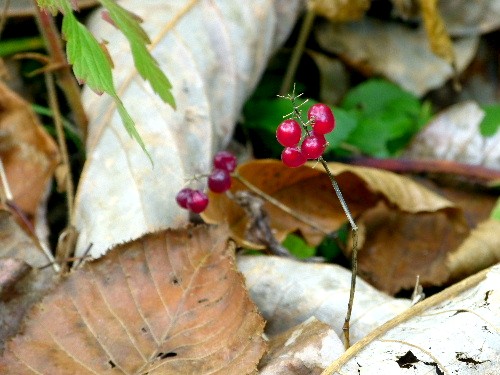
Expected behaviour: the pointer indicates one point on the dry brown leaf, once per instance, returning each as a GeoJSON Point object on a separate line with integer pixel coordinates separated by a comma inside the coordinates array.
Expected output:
{"type": "Point", "coordinates": [308, 191]}
{"type": "Point", "coordinates": [302, 350]}
{"type": "Point", "coordinates": [340, 10]}
{"type": "Point", "coordinates": [479, 251]}
{"type": "Point", "coordinates": [169, 303]}
{"type": "Point", "coordinates": [22, 293]}
{"type": "Point", "coordinates": [28, 153]}
{"type": "Point", "coordinates": [435, 28]}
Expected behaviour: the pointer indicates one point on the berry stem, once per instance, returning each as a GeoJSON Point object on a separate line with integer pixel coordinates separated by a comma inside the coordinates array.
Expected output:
{"type": "Point", "coordinates": [354, 256]}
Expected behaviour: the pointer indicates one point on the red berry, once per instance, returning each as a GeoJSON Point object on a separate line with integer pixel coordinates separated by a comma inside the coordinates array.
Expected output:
{"type": "Point", "coordinates": [225, 160]}
{"type": "Point", "coordinates": [198, 201]}
{"type": "Point", "coordinates": [324, 121]}
{"type": "Point", "coordinates": [313, 146]}
{"type": "Point", "coordinates": [292, 157]}
{"type": "Point", "coordinates": [219, 181]}
{"type": "Point", "coordinates": [183, 197]}
{"type": "Point", "coordinates": [288, 133]}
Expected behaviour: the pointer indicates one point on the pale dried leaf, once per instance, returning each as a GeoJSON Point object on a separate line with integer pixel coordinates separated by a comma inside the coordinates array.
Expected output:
{"type": "Point", "coordinates": [169, 303]}
{"type": "Point", "coordinates": [454, 134]}
{"type": "Point", "coordinates": [479, 251]}
{"type": "Point", "coordinates": [289, 292]}
{"type": "Point", "coordinates": [302, 350]}
{"type": "Point", "coordinates": [340, 10]}
{"type": "Point", "coordinates": [24, 8]}
{"type": "Point", "coordinates": [405, 58]}
{"type": "Point", "coordinates": [465, 17]}
{"type": "Point", "coordinates": [214, 55]}
{"type": "Point", "coordinates": [456, 335]}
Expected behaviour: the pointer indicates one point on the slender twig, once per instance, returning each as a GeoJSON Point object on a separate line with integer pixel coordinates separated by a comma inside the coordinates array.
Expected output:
{"type": "Point", "coordinates": [65, 77]}
{"type": "Point", "coordinates": [61, 141]}
{"type": "Point", "coordinates": [278, 204]}
{"type": "Point", "coordinates": [298, 50]}
{"type": "Point", "coordinates": [354, 256]}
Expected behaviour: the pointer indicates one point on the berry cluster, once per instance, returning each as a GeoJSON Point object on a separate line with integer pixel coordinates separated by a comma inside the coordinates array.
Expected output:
{"type": "Point", "coordinates": [289, 134]}
{"type": "Point", "coordinates": [219, 181]}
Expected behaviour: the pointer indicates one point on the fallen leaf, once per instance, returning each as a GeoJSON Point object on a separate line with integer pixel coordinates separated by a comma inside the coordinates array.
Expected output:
{"type": "Point", "coordinates": [214, 54]}
{"type": "Point", "coordinates": [398, 247]}
{"type": "Point", "coordinates": [288, 292]}
{"type": "Point", "coordinates": [29, 155]}
{"type": "Point", "coordinates": [305, 349]}
{"type": "Point", "coordinates": [479, 251]}
{"type": "Point", "coordinates": [308, 192]}
{"type": "Point", "coordinates": [171, 302]}
{"type": "Point", "coordinates": [452, 332]}
{"type": "Point", "coordinates": [24, 8]}
{"type": "Point", "coordinates": [464, 17]}
{"type": "Point", "coordinates": [340, 10]}
{"type": "Point", "coordinates": [454, 134]}
{"type": "Point", "coordinates": [31, 281]}
{"type": "Point", "coordinates": [409, 62]}
{"type": "Point", "coordinates": [437, 34]}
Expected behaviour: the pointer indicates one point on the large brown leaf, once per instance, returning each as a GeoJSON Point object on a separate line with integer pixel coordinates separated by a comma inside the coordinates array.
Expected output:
{"type": "Point", "coordinates": [307, 190]}
{"type": "Point", "coordinates": [169, 303]}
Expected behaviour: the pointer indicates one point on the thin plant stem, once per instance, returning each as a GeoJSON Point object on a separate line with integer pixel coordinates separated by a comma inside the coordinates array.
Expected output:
{"type": "Point", "coordinates": [354, 256]}
{"type": "Point", "coordinates": [278, 204]}
{"type": "Point", "coordinates": [65, 77]}
{"type": "Point", "coordinates": [61, 140]}
{"type": "Point", "coordinates": [298, 50]}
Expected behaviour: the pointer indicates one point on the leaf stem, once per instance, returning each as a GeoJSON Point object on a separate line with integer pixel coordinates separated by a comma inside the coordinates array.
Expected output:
{"type": "Point", "coordinates": [64, 75]}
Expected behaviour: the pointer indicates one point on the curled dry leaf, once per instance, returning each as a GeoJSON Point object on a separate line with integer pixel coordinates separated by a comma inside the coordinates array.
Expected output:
{"type": "Point", "coordinates": [455, 134]}
{"type": "Point", "coordinates": [28, 153]}
{"type": "Point", "coordinates": [410, 63]}
{"type": "Point", "coordinates": [305, 349]}
{"type": "Point", "coordinates": [480, 250]}
{"type": "Point", "coordinates": [213, 52]}
{"type": "Point", "coordinates": [289, 292]}
{"type": "Point", "coordinates": [453, 332]}
{"type": "Point", "coordinates": [307, 191]}
{"type": "Point", "coordinates": [340, 10]}
{"type": "Point", "coordinates": [169, 303]}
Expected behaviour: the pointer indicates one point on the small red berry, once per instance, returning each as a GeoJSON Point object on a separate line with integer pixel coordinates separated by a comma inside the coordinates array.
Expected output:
{"type": "Point", "coordinates": [288, 133]}
{"type": "Point", "coordinates": [183, 197]}
{"type": "Point", "coordinates": [313, 146]}
{"type": "Point", "coordinates": [198, 202]}
{"type": "Point", "coordinates": [324, 121]}
{"type": "Point", "coordinates": [292, 157]}
{"type": "Point", "coordinates": [225, 160]}
{"type": "Point", "coordinates": [219, 181]}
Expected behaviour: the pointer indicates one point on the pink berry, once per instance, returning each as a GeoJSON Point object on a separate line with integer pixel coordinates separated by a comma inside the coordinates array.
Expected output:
{"type": "Point", "coordinates": [292, 157]}
{"type": "Point", "coordinates": [219, 181]}
{"type": "Point", "coordinates": [288, 133]}
{"type": "Point", "coordinates": [198, 202]}
{"type": "Point", "coordinates": [313, 146]}
{"type": "Point", "coordinates": [183, 197]}
{"type": "Point", "coordinates": [225, 160]}
{"type": "Point", "coordinates": [324, 121]}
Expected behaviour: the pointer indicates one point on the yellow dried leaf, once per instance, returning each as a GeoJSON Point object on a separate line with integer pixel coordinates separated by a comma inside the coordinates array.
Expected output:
{"type": "Point", "coordinates": [340, 10]}
{"type": "Point", "coordinates": [437, 34]}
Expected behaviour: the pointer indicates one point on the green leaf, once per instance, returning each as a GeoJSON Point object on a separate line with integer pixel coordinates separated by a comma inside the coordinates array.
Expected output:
{"type": "Point", "coordinates": [298, 247]}
{"type": "Point", "coordinates": [491, 121]}
{"type": "Point", "coordinates": [144, 62]}
{"type": "Point", "coordinates": [345, 123]}
{"type": "Point", "coordinates": [495, 213]}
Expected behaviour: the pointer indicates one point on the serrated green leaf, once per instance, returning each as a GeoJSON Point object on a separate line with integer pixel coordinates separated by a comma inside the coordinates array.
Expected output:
{"type": "Point", "coordinates": [144, 62]}
{"type": "Point", "coordinates": [90, 62]}
{"type": "Point", "coordinates": [53, 5]}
